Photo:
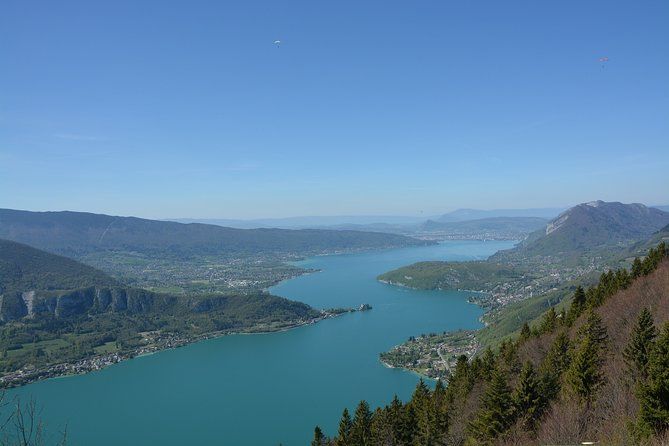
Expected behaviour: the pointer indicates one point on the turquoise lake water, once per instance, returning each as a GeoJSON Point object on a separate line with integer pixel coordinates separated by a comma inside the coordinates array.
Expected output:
{"type": "Point", "coordinates": [271, 388]}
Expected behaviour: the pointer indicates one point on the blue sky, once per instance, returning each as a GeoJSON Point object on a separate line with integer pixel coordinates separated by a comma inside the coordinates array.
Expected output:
{"type": "Point", "coordinates": [187, 109]}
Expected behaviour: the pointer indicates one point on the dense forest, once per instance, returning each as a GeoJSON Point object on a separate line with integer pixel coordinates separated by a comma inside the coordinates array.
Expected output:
{"type": "Point", "coordinates": [597, 370]}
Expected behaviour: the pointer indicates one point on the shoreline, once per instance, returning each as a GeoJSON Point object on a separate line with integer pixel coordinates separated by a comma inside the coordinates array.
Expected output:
{"type": "Point", "coordinates": [162, 343]}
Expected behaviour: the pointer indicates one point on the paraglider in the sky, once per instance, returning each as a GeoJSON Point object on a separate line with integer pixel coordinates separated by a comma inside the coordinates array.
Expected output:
{"type": "Point", "coordinates": [603, 60]}
{"type": "Point", "coordinates": [277, 43]}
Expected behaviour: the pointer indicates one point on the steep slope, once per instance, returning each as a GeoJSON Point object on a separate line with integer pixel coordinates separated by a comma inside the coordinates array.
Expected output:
{"type": "Point", "coordinates": [593, 226]}
{"type": "Point", "coordinates": [598, 372]}
{"type": "Point", "coordinates": [25, 268]}
{"type": "Point", "coordinates": [77, 233]}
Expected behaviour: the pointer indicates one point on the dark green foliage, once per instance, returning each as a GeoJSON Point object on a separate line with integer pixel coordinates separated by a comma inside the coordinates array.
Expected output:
{"type": "Point", "coordinates": [495, 415]}
{"type": "Point", "coordinates": [577, 304]}
{"type": "Point", "coordinates": [653, 393]}
{"type": "Point", "coordinates": [344, 432]}
{"type": "Point", "coordinates": [555, 363]}
{"type": "Point", "coordinates": [528, 400]}
{"type": "Point", "coordinates": [584, 376]}
{"type": "Point", "coordinates": [23, 268]}
{"type": "Point", "coordinates": [319, 438]}
{"type": "Point", "coordinates": [361, 429]}
{"type": "Point", "coordinates": [637, 352]}
{"type": "Point", "coordinates": [525, 332]}
{"type": "Point", "coordinates": [549, 321]}
{"type": "Point", "coordinates": [637, 268]}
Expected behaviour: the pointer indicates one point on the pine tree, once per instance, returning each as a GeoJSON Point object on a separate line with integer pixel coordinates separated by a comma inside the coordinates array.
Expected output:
{"type": "Point", "coordinates": [594, 329]}
{"type": "Point", "coordinates": [487, 364]}
{"type": "Point", "coordinates": [555, 363]}
{"type": "Point", "coordinates": [381, 429]}
{"type": "Point", "coordinates": [344, 433]}
{"type": "Point", "coordinates": [441, 409]}
{"type": "Point", "coordinates": [395, 418]}
{"type": "Point", "coordinates": [525, 332]}
{"type": "Point", "coordinates": [361, 427]}
{"type": "Point", "coordinates": [577, 304]}
{"type": "Point", "coordinates": [527, 398]}
{"type": "Point", "coordinates": [637, 352]}
{"type": "Point", "coordinates": [549, 321]}
{"type": "Point", "coordinates": [584, 375]}
{"type": "Point", "coordinates": [319, 438]}
{"type": "Point", "coordinates": [637, 268]}
{"type": "Point", "coordinates": [653, 394]}
{"type": "Point", "coordinates": [495, 415]}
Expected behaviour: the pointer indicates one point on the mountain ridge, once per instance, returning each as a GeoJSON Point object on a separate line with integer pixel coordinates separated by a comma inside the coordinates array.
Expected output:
{"type": "Point", "coordinates": [76, 233]}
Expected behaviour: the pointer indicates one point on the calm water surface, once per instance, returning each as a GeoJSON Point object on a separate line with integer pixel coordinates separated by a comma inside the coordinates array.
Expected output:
{"type": "Point", "coordinates": [272, 388]}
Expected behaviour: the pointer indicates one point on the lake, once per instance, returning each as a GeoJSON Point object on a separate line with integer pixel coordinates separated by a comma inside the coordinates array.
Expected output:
{"type": "Point", "coordinates": [269, 389]}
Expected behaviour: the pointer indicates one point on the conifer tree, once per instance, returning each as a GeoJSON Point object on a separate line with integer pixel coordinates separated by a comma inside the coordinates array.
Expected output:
{"type": "Point", "coordinates": [441, 408]}
{"type": "Point", "coordinates": [495, 414]}
{"type": "Point", "coordinates": [594, 329]}
{"type": "Point", "coordinates": [637, 268]}
{"type": "Point", "coordinates": [653, 394]}
{"type": "Point", "coordinates": [637, 352]}
{"type": "Point", "coordinates": [487, 364]}
{"type": "Point", "coordinates": [381, 429]}
{"type": "Point", "coordinates": [555, 363]}
{"type": "Point", "coordinates": [361, 427]}
{"type": "Point", "coordinates": [344, 432]}
{"type": "Point", "coordinates": [577, 304]}
{"type": "Point", "coordinates": [319, 438]}
{"type": "Point", "coordinates": [525, 332]}
{"type": "Point", "coordinates": [527, 398]}
{"type": "Point", "coordinates": [584, 375]}
{"type": "Point", "coordinates": [549, 321]}
{"type": "Point", "coordinates": [395, 417]}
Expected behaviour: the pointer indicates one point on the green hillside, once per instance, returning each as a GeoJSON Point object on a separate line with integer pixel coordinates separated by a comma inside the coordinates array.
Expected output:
{"type": "Point", "coordinates": [597, 372]}
{"type": "Point", "coordinates": [76, 234]}
{"type": "Point", "coordinates": [591, 228]}
{"type": "Point", "coordinates": [25, 268]}
{"type": "Point", "coordinates": [435, 275]}
{"type": "Point", "coordinates": [54, 310]}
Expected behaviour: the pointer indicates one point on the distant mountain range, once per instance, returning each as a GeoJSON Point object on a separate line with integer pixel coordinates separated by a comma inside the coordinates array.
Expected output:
{"type": "Point", "coordinates": [78, 233]}
{"type": "Point", "coordinates": [308, 222]}
{"type": "Point", "coordinates": [519, 225]}
{"type": "Point", "coordinates": [477, 214]}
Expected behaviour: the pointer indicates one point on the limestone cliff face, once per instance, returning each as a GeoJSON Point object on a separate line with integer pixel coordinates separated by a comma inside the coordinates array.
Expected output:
{"type": "Point", "coordinates": [91, 300]}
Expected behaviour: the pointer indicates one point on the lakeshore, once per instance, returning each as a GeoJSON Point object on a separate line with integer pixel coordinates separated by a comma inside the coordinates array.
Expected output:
{"type": "Point", "coordinates": [219, 388]}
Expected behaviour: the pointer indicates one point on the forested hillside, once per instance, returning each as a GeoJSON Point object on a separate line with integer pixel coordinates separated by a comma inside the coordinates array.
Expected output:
{"type": "Point", "coordinates": [59, 316]}
{"type": "Point", "coordinates": [76, 234]}
{"type": "Point", "coordinates": [596, 371]}
{"type": "Point", "coordinates": [25, 268]}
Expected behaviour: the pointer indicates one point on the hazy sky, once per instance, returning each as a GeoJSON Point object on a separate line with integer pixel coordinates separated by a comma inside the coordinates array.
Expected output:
{"type": "Point", "coordinates": [188, 109]}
